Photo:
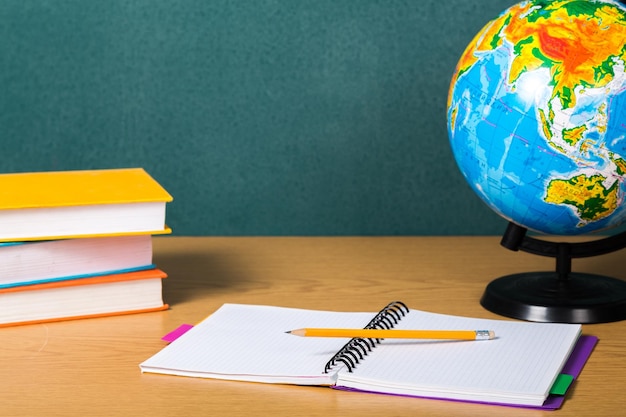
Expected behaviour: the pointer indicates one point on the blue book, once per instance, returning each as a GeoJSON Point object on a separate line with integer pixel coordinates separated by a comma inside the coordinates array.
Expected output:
{"type": "Point", "coordinates": [36, 262]}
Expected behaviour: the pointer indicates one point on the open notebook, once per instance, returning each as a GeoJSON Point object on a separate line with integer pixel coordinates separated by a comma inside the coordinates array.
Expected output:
{"type": "Point", "coordinates": [249, 343]}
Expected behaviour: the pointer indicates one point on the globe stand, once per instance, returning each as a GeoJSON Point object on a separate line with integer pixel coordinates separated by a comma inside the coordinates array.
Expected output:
{"type": "Point", "coordinates": [561, 296]}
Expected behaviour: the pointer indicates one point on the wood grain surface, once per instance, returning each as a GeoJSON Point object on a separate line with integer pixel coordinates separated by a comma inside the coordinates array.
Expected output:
{"type": "Point", "coordinates": [90, 367]}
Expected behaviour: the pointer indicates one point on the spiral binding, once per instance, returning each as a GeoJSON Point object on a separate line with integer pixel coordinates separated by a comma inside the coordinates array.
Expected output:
{"type": "Point", "coordinates": [358, 348]}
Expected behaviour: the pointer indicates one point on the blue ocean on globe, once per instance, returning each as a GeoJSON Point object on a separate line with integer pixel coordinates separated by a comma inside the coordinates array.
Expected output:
{"type": "Point", "coordinates": [537, 115]}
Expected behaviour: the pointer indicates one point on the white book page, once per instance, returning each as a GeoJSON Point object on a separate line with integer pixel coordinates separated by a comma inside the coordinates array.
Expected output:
{"type": "Point", "coordinates": [81, 220]}
{"type": "Point", "coordinates": [249, 343]}
{"type": "Point", "coordinates": [80, 300]}
{"type": "Point", "coordinates": [519, 366]}
{"type": "Point", "coordinates": [66, 258]}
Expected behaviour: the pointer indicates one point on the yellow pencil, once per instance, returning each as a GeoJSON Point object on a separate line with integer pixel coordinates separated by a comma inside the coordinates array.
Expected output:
{"type": "Point", "coordinates": [398, 334]}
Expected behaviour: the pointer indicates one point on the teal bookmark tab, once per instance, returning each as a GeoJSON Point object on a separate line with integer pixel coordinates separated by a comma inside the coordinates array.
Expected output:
{"type": "Point", "coordinates": [562, 383]}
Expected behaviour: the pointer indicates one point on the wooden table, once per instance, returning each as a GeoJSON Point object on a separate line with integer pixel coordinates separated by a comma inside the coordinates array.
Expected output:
{"type": "Point", "coordinates": [90, 367]}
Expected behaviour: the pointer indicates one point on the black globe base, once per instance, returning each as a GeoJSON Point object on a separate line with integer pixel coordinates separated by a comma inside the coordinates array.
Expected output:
{"type": "Point", "coordinates": [543, 297]}
{"type": "Point", "coordinates": [561, 296]}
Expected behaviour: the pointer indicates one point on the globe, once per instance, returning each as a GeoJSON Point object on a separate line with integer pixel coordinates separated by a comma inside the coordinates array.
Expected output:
{"type": "Point", "coordinates": [537, 115]}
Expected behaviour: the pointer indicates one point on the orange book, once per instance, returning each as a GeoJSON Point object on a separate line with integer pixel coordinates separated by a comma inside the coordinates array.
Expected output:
{"type": "Point", "coordinates": [52, 205]}
{"type": "Point", "coordinates": [105, 295]}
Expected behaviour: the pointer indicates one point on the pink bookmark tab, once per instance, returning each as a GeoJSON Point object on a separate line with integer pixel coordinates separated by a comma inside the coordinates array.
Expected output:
{"type": "Point", "coordinates": [175, 334]}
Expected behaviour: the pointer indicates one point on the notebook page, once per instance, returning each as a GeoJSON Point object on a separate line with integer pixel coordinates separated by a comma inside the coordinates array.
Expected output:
{"type": "Point", "coordinates": [518, 367]}
{"type": "Point", "coordinates": [249, 343]}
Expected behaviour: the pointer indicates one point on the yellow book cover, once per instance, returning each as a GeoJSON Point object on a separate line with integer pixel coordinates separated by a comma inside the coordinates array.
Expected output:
{"type": "Point", "coordinates": [86, 203]}
{"type": "Point", "coordinates": [74, 188]}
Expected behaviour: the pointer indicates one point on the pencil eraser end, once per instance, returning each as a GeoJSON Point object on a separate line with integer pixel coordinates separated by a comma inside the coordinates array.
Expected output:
{"type": "Point", "coordinates": [492, 334]}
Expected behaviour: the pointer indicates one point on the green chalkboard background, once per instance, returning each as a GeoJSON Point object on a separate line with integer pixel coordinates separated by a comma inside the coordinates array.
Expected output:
{"type": "Point", "coordinates": [261, 117]}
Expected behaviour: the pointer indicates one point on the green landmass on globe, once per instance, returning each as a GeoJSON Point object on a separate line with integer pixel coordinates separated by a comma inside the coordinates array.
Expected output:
{"type": "Point", "coordinates": [536, 115]}
{"type": "Point", "coordinates": [592, 199]}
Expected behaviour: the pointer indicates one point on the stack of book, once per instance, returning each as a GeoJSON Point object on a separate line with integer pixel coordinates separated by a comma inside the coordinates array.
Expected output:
{"type": "Point", "coordinates": [77, 244]}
